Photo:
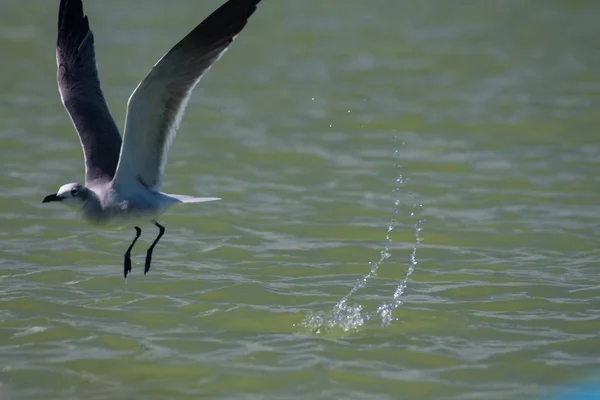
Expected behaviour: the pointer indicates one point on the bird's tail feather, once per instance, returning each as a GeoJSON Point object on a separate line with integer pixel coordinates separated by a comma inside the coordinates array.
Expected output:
{"type": "Point", "coordinates": [190, 199]}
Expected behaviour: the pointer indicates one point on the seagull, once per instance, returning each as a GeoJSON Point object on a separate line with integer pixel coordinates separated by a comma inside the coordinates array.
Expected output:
{"type": "Point", "coordinates": [123, 177]}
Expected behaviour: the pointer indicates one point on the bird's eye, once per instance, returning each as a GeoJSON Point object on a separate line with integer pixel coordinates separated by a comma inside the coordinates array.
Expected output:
{"type": "Point", "coordinates": [74, 192]}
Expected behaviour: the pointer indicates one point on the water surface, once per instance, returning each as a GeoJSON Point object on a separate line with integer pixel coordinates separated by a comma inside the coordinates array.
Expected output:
{"type": "Point", "coordinates": [481, 118]}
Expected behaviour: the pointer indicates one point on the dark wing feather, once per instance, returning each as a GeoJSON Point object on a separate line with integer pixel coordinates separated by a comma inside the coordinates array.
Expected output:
{"type": "Point", "coordinates": [81, 94]}
{"type": "Point", "coordinates": [156, 106]}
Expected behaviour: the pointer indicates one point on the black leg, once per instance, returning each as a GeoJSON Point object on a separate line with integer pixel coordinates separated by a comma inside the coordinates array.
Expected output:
{"type": "Point", "coordinates": [149, 252]}
{"type": "Point", "coordinates": [127, 265]}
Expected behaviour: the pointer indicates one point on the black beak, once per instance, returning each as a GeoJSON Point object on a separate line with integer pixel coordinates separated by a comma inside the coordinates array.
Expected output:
{"type": "Point", "coordinates": [50, 198]}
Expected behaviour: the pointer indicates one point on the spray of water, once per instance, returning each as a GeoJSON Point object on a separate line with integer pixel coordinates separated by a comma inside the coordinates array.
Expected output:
{"type": "Point", "coordinates": [385, 309]}
{"type": "Point", "coordinates": [350, 316]}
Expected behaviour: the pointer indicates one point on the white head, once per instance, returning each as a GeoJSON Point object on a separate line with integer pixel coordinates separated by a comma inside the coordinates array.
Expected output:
{"type": "Point", "coordinates": [71, 193]}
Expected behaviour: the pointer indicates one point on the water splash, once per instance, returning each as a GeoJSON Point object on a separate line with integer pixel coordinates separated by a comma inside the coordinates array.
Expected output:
{"type": "Point", "coordinates": [350, 316]}
{"type": "Point", "coordinates": [385, 309]}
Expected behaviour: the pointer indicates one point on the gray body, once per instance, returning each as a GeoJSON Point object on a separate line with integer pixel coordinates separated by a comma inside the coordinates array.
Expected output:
{"type": "Point", "coordinates": [105, 205]}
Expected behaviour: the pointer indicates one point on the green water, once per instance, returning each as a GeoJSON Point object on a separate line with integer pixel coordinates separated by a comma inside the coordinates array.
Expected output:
{"type": "Point", "coordinates": [488, 113]}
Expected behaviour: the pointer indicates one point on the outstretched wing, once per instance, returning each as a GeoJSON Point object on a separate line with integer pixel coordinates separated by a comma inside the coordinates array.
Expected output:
{"type": "Point", "coordinates": [156, 106]}
{"type": "Point", "coordinates": [81, 94]}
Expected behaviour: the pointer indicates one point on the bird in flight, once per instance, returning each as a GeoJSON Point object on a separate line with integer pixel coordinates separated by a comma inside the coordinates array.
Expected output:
{"type": "Point", "coordinates": [123, 177]}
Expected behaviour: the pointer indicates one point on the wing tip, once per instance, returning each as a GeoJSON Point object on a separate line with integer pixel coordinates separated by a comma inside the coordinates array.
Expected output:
{"type": "Point", "coordinates": [73, 24]}
{"type": "Point", "coordinates": [227, 21]}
